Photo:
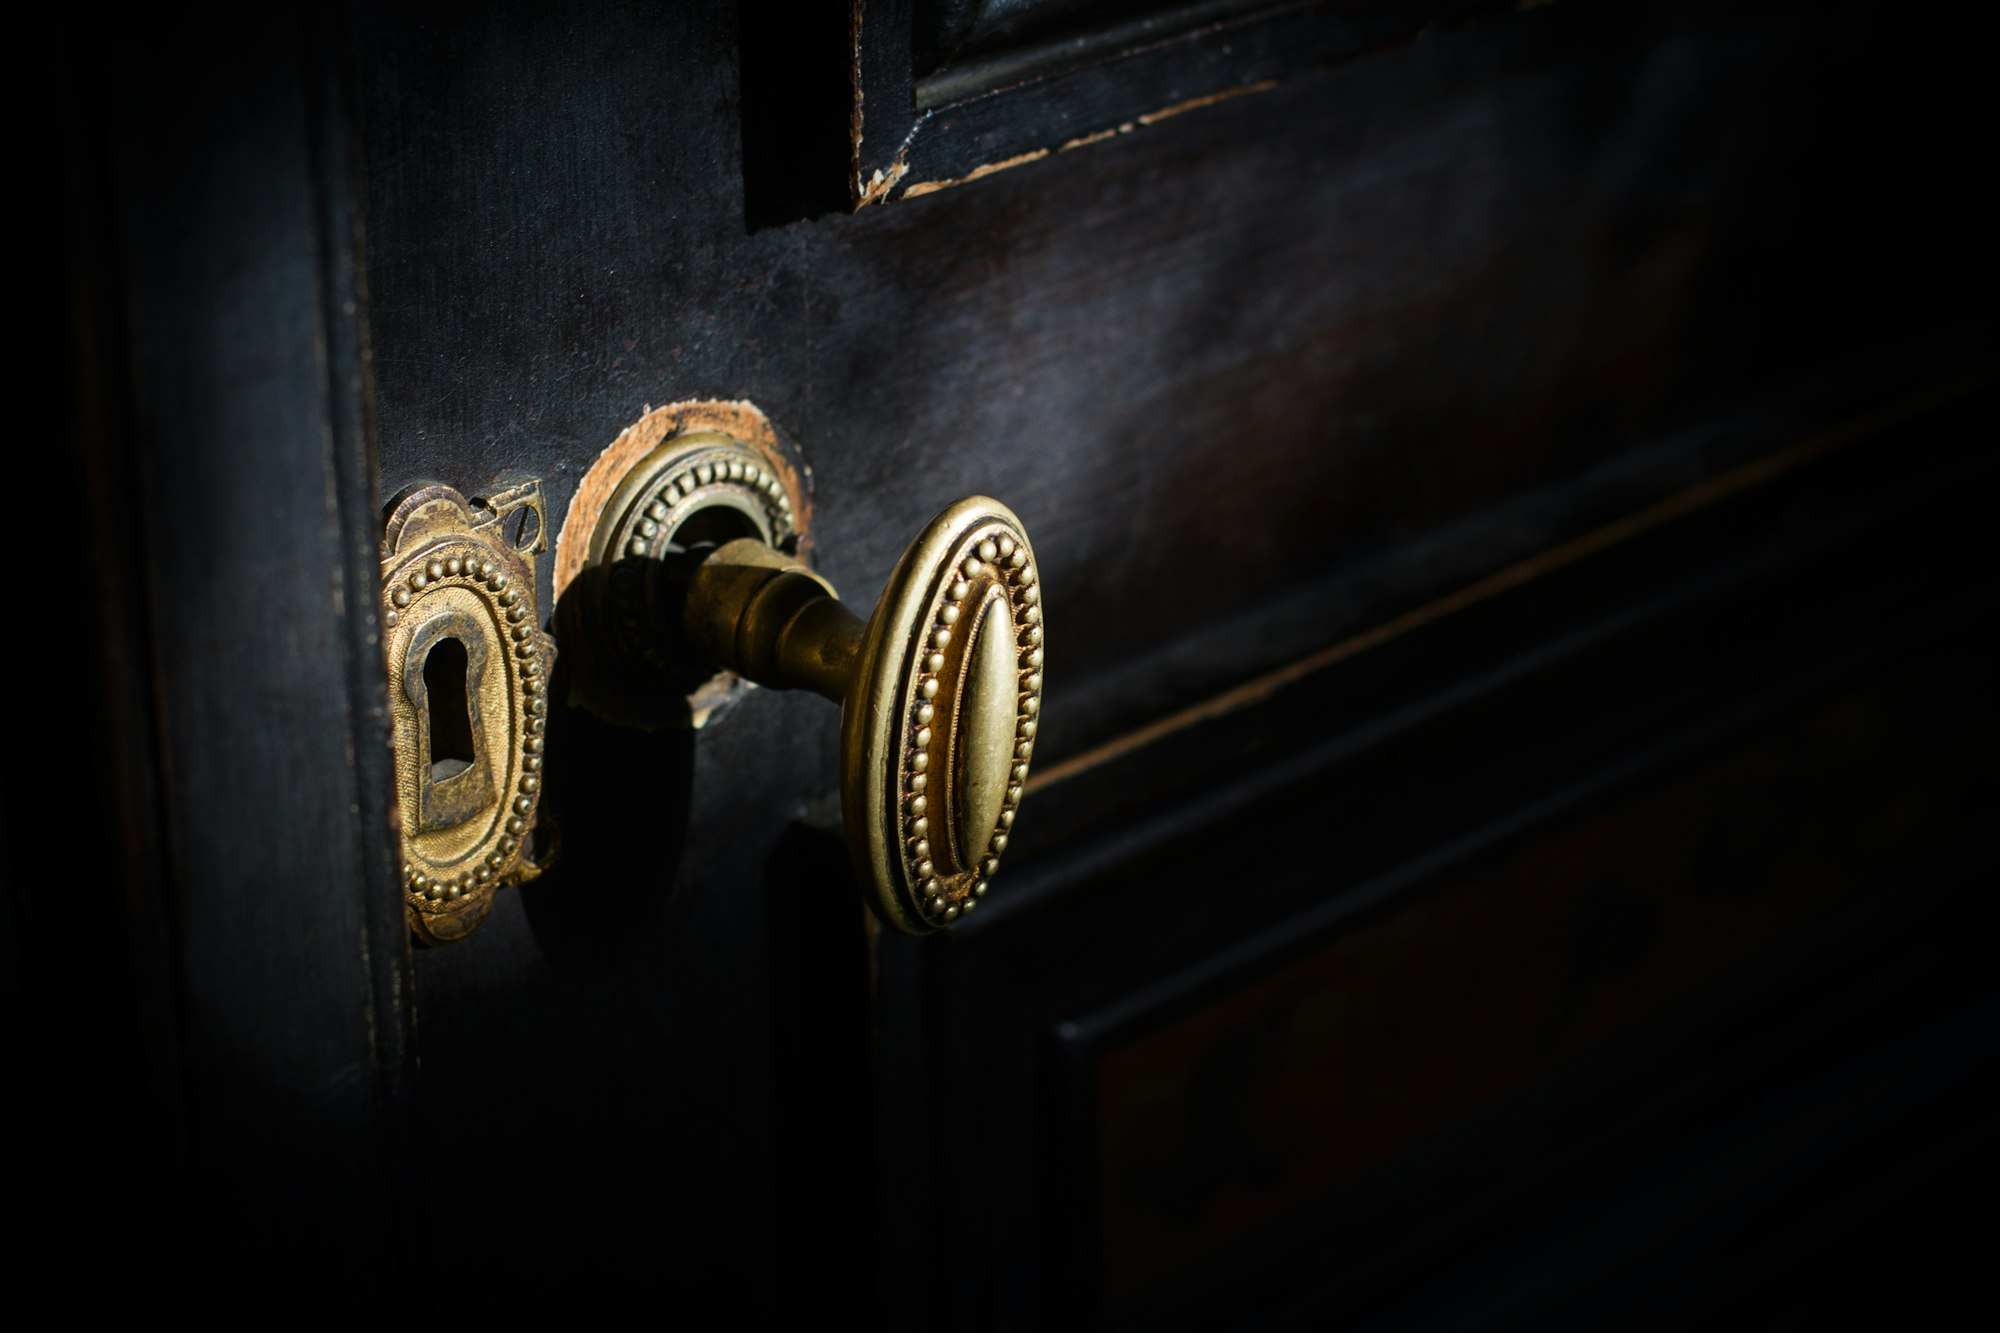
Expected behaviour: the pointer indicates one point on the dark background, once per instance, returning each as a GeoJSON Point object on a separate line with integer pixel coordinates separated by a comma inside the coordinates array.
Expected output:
{"type": "Point", "coordinates": [1512, 835]}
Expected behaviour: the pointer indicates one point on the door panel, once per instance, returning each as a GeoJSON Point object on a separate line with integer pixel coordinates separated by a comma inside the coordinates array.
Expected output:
{"type": "Point", "coordinates": [1459, 895]}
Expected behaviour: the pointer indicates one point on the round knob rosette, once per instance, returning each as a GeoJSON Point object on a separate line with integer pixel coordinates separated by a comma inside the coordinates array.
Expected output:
{"type": "Point", "coordinates": [939, 721]}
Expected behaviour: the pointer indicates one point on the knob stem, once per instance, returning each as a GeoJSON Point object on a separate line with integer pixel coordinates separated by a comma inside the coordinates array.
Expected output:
{"type": "Point", "coordinates": [756, 611]}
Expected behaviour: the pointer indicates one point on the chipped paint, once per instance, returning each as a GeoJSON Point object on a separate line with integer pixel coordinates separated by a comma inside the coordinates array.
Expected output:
{"type": "Point", "coordinates": [854, 112]}
{"type": "Point", "coordinates": [881, 183]}
{"type": "Point", "coordinates": [877, 188]}
{"type": "Point", "coordinates": [880, 187]}
{"type": "Point", "coordinates": [931, 187]}
{"type": "Point", "coordinates": [1098, 137]}
{"type": "Point", "coordinates": [1196, 103]}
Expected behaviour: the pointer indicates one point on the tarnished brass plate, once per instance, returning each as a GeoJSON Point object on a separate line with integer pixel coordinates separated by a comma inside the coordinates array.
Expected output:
{"type": "Point", "coordinates": [717, 466]}
{"type": "Point", "coordinates": [468, 696]}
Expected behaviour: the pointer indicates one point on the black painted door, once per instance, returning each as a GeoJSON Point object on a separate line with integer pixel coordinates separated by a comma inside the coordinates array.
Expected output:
{"type": "Point", "coordinates": [1504, 842]}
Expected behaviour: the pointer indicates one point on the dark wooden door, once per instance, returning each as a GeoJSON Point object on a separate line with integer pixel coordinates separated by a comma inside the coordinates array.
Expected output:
{"type": "Point", "coordinates": [1506, 841]}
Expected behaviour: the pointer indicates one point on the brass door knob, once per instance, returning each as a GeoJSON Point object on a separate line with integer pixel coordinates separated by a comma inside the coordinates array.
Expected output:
{"type": "Point", "coordinates": [940, 688]}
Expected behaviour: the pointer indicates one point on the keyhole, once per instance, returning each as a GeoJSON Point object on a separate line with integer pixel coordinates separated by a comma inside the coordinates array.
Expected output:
{"type": "Point", "coordinates": [451, 712]}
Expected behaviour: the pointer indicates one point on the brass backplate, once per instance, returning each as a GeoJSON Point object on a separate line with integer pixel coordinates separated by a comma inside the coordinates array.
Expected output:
{"type": "Point", "coordinates": [469, 667]}
{"type": "Point", "coordinates": [694, 472]}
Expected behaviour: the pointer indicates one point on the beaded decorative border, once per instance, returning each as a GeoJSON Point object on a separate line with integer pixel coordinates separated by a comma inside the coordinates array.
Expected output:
{"type": "Point", "coordinates": [993, 554]}
{"type": "Point", "coordinates": [649, 523]}
{"type": "Point", "coordinates": [442, 900]}
{"type": "Point", "coordinates": [710, 471]}
{"type": "Point", "coordinates": [473, 567]}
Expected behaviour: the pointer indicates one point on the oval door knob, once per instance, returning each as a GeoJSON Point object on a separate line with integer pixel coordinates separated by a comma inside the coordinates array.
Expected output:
{"type": "Point", "coordinates": [940, 691]}
{"type": "Point", "coordinates": [686, 577]}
